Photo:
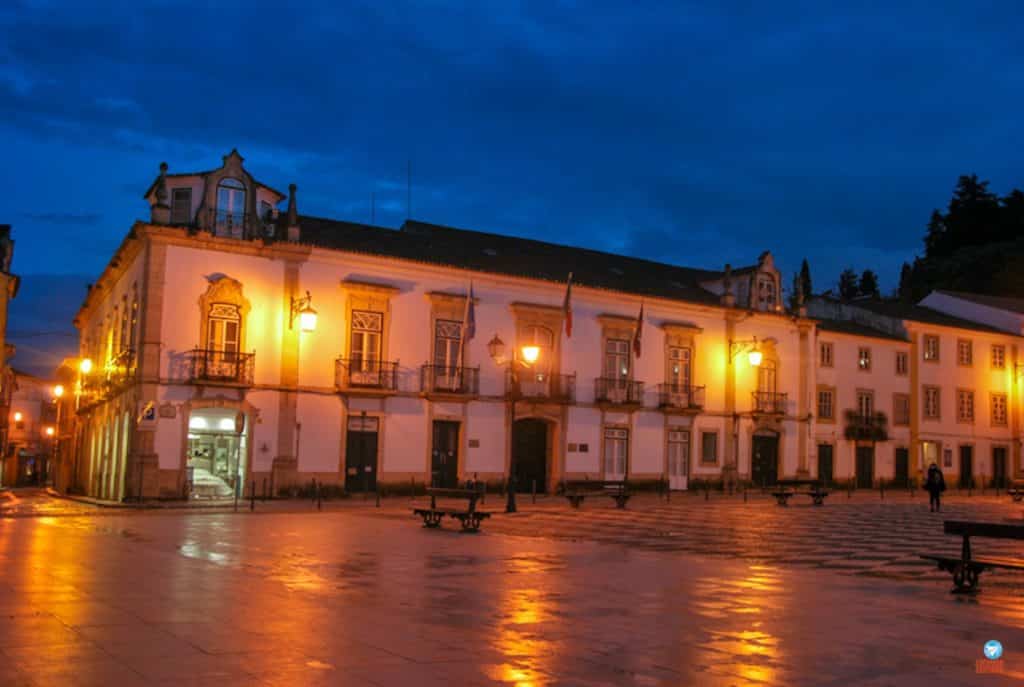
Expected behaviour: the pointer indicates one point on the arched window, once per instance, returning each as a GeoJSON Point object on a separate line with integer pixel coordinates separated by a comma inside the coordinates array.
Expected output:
{"type": "Point", "coordinates": [224, 330]}
{"type": "Point", "coordinates": [230, 207]}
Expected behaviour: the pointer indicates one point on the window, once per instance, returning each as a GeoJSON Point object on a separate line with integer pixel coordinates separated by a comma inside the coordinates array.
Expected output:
{"type": "Point", "coordinates": [865, 403]}
{"type": "Point", "coordinates": [447, 343]}
{"type": "Point", "coordinates": [864, 358]}
{"type": "Point", "coordinates": [766, 377]}
{"type": "Point", "coordinates": [224, 330]}
{"type": "Point", "coordinates": [616, 451]}
{"type": "Point", "coordinates": [964, 406]}
{"type": "Point", "coordinates": [230, 208]}
{"type": "Point", "coordinates": [931, 348]}
{"type": "Point", "coordinates": [901, 409]}
{"type": "Point", "coordinates": [765, 293]}
{"type": "Point", "coordinates": [901, 364]}
{"type": "Point", "coordinates": [999, 410]}
{"type": "Point", "coordinates": [126, 325]}
{"type": "Point", "coordinates": [678, 453]}
{"type": "Point", "coordinates": [181, 206]}
{"type": "Point", "coordinates": [825, 354]}
{"type": "Point", "coordinates": [364, 351]}
{"type": "Point", "coordinates": [708, 448]}
{"type": "Point", "coordinates": [932, 406]}
{"type": "Point", "coordinates": [616, 359]}
{"type": "Point", "coordinates": [964, 353]}
{"type": "Point", "coordinates": [998, 356]}
{"type": "Point", "coordinates": [133, 324]}
{"type": "Point", "coordinates": [826, 404]}
{"type": "Point", "coordinates": [679, 369]}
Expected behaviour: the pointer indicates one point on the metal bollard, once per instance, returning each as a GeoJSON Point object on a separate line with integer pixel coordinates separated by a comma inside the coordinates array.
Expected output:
{"type": "Point", "coordinates": [312, 490]}
{"type": "Point", "coordinates": [378, 497]}
{"type": "Point", "coordinates": [744, 494]}
{"type": "Point", "coordinates": [849, 490]}
{"type": "Point", "coordinates": [707, 494]}
{"type": "Point", "coordinates": [264, 488]}
{"type": "Point", "coordinates": [881, 490]}
{"type": "Point", "coordinates": [252, 497]}
{"type": "Point", "coordinates": [412, 488]}
{"type": "Point", "coordinates": [319, 501]}
{"type": "Point", "coordinates": [533, 492]}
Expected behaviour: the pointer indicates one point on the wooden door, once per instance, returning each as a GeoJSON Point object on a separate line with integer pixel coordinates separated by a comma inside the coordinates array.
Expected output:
{"type": "Point", "coordinates": [764, 460]}
{"type": "Point", "coordinates": [865, 467]}
{"type": "Point", "coordinates": [966, 467]}
{"type": "Point", "coordinates": [444, 458]}
{"type": "Point", "coordinates": [361, 454]}
{"type": "Point", "coordinates": [999, 467]}
{"type": "Point", "coordinates": [825, 463]}
{"type": "Point", "coordinates": [678, 459]}
{"type": "Point", "coordinates": [901, 474]}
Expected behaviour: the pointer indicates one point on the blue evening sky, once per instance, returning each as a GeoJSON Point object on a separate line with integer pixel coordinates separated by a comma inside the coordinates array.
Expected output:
{"type": "Point", "coordinates": [698, 133]}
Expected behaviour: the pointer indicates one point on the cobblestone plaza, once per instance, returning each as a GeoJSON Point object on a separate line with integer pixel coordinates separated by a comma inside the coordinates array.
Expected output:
{"type": "Point", "coordinates": [716, 592]}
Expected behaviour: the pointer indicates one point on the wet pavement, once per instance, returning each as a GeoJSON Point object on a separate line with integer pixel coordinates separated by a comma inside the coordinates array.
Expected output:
{"type": "Point", "coordinates": [716, 592]}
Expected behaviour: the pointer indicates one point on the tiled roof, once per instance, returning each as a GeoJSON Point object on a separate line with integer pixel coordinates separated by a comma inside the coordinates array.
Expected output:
{"type": "Point", "coordinates": [920, 313]}
{"type": "Point", "coordinates": [513, 256]}
{"type": "Point", "coordinates": [1000, 302]}
{"type": "Point", "coordinates": [857, 329]}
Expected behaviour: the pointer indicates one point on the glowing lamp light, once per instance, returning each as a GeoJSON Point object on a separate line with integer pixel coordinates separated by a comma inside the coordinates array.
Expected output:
{"type": "Point", "coordinates": [197, 423]}
{"type": "Point", "coordinates": [18, 416]}
{"type": "Point", "coordinates": [754, 357]}
{"type": "Point", "coordinates": [307, 319]}
{"type": "Point", "coordinates": [58, 391]}
{"type": "Point", "coordinates": [530, 354]}
{"type": "Point", "coordinates": [85, 366]}
{"type": "Point", "coordinates": [49, 431]}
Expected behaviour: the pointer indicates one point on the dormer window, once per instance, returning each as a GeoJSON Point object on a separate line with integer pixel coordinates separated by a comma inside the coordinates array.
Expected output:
{"type": "Point", "coordinates": [230, 208]}
{"type": "Point", "coordinates": [181, 206]}
{"type": "Point", "coordinates": [766, 293]}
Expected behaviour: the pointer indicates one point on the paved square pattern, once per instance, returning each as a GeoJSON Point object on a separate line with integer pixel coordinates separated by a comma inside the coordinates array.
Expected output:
{"type": "Point", "coordinates": [689, 592]}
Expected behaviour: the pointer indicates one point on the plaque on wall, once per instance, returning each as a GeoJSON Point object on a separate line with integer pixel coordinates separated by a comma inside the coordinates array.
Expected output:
{"type": "Point", "coordinates": [474, 443]}
{"type": "Point", "coordinates": [168, 410]}
{"type": "Point", "coordinates": [584, 448]}
{"type": "Point", "coordinates": [572, 448]}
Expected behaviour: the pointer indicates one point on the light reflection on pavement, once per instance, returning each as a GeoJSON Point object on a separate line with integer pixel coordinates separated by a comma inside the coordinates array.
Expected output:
{"type": "Point", "coordinates": [365, 597]}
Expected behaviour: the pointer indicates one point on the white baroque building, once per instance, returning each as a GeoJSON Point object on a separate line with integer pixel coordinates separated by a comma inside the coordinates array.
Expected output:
{"type": "Point", "coordinates": [205, 381]}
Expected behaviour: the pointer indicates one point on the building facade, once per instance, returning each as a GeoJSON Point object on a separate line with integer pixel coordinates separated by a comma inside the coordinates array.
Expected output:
{"type": "Point", "coordinates": [440, 355]}
{"type": "Point", "coordinates": [31, 433]}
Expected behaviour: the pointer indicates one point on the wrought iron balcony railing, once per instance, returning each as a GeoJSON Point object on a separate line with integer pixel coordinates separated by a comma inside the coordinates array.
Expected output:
{"type": "Point", "coordinates": [541, 385]}
{"type": "Point", "coordinates": [449, 379]}
{"type": "Point", "coordinates": [680, 396]}
{"type": "Point", "coordinates": [769, 402]}
{"type": "Point", "coordinates": [616, 390]}
{"type": "Point", "coordinates": [363, 373]}
{"type": "Point", "coordinates": [224, 367]}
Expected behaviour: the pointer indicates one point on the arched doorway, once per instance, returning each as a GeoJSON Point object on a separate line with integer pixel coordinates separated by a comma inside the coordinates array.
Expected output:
{"type": "Point", "coordinates": [530, 454]}
{"type": "Point", "coordinates": [217, 452]}
{"type": "Point", "coordinates": [764, 458]}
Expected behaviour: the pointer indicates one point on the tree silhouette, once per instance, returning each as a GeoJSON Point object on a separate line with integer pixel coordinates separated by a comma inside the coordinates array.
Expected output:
{"type": "Point", "coordinates": [848, 286]}
{"type": "Point", "coordinates": [868, 285]}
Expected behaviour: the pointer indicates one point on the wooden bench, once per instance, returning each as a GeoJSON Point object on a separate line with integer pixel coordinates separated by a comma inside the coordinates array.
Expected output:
{"type": "Point", "coordinates": [1016, 490]}
{"type": "Point", "coordinates": [967, 569]}
{"type": "Point", "coordinates": [788, 488]}
{"type": "Point", "coordinates": [576, 491]}
{"type": "Point", "coordinates": [470, 517]}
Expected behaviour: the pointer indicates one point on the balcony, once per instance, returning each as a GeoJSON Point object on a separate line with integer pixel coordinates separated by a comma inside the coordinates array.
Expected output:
{"type": "Point", "coordinates": [449, 380]}
{"type": "Point", "coordinates": [873, 427]}
{"type": "Point", "coordinates": [220, 367]}
{"type": "Point", "coordinates": [541, 386]}
{"type": "Point", "coordinates": [365, 375]}
{"type": "Point", "coordinates": [619, 392]}
{"type": "Point", "coordinates": [239, 225]}
{"type": "Point", "coordinates": [108, 381]}
{"type": "Point", "coordinates": [769, 402]}
{"type": "Point", "coordinates": [677, 397]}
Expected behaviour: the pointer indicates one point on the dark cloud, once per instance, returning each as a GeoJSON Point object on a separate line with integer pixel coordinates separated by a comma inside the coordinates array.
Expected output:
{"type": "Point", "coordinates": [698, 132]}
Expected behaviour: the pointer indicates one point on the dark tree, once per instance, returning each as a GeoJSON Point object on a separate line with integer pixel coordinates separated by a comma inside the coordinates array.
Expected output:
{"type": "Point", "coordinates": [868, 285]}
{"type": "Point", "coordinates": [905, 291]}
{"type": "Point", "coordinates": [805, 278]}
{"type": "Point", "coordinates": [848, 287]}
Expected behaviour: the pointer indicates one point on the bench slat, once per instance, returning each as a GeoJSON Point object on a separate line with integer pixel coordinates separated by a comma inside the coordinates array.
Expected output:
{"type": "Point", "coordinates": [992, 530]}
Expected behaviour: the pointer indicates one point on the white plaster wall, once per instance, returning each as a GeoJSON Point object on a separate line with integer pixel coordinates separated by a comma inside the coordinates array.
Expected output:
{"type": "Point", "coordinates": [320, 439]}
{"type": "Point", "coordinates": [584, 428]}
{"type": "Point", "coordinates": [265, 429]}
{"type": "Point", "coordinates": [406, 436]}
{"type": "Point", "coordinates": [647, 450]}
{"type": "Point", "coordinates": [262, 280]}
{"type": "Point", "coordinates": [486, 424]}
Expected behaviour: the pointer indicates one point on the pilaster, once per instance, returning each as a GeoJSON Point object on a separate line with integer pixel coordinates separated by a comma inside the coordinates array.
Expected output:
{"type": "Point", "coordinates": [285, 464]}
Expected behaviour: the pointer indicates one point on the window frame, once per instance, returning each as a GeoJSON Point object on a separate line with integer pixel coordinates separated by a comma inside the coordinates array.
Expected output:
{"type": "Point", "coordinates": [963, 345]}
{"type": "Point", "coordinates": [868, 394]}
{"type": "Point", "coordinates": [704, 434]}
{"type": "Point", "coordinates": [1002, 356]}
{"type": "Point", "coordinates": [830, 391]}
{"type": "Point", "coordinates": [823, 359]}
{"type": "Point", "coordinates": [864, 358]}
{"type": "Point", "coordinates": [925, 389]}
{"type": "Point", "coordinates": [993, 396]}
{"type": "Point", "coordinates": [926, 340]}
{"type": "Point", "coordinates": [961, 395]}
{"type": "Point", "coordinates": [684, 449]}
{"type": "Point", "coordinates": [899, 420]}
{"type": "Point", "coordinates": [176, 203]}
{"type": "Point", "coordinates": [904, 357]}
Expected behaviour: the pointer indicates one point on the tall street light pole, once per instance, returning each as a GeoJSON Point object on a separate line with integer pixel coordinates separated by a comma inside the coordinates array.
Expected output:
{"type": "Point", "coordinates": [527, 358]}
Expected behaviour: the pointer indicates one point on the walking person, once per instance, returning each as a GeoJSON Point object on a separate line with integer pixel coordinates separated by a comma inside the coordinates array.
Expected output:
{"type": "Point", "coordinates": [935, 483]}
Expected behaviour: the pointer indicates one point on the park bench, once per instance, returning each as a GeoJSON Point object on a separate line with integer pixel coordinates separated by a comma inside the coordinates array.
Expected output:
{"type": "Point", "coordinates": [788, 488]}
{"type": "Point", "coordinates": [469, 516]}
{"type": "Point", "coordinates": [967, 569]}
{"type": "Point", "coordinates": [576, 491]}
{"type": "Point", "coordinates": [1016, 490]}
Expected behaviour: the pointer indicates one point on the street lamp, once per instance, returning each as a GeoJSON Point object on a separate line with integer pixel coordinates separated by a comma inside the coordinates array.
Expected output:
{"type": "Point", "coordinates": [85, 366]}
{"type": "Point", "coordinates": [303, 309]}
{"type": "Point", "coordinates": [528, 356]}
{"type": "Point", "coordinates": [753, 351]}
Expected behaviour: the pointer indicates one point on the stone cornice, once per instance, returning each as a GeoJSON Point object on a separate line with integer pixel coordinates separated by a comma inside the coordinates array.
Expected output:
{"type": "Point", "coordinates": [355, 286]}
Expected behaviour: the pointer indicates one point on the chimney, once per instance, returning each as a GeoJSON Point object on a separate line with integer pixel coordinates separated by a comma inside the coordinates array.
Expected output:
{"type": "Point", "coordinates": [728, 298]}
{"type": "Point", "coordinates": [293, 214]}
{"type": "Point", "coordinates": [160, 212]}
